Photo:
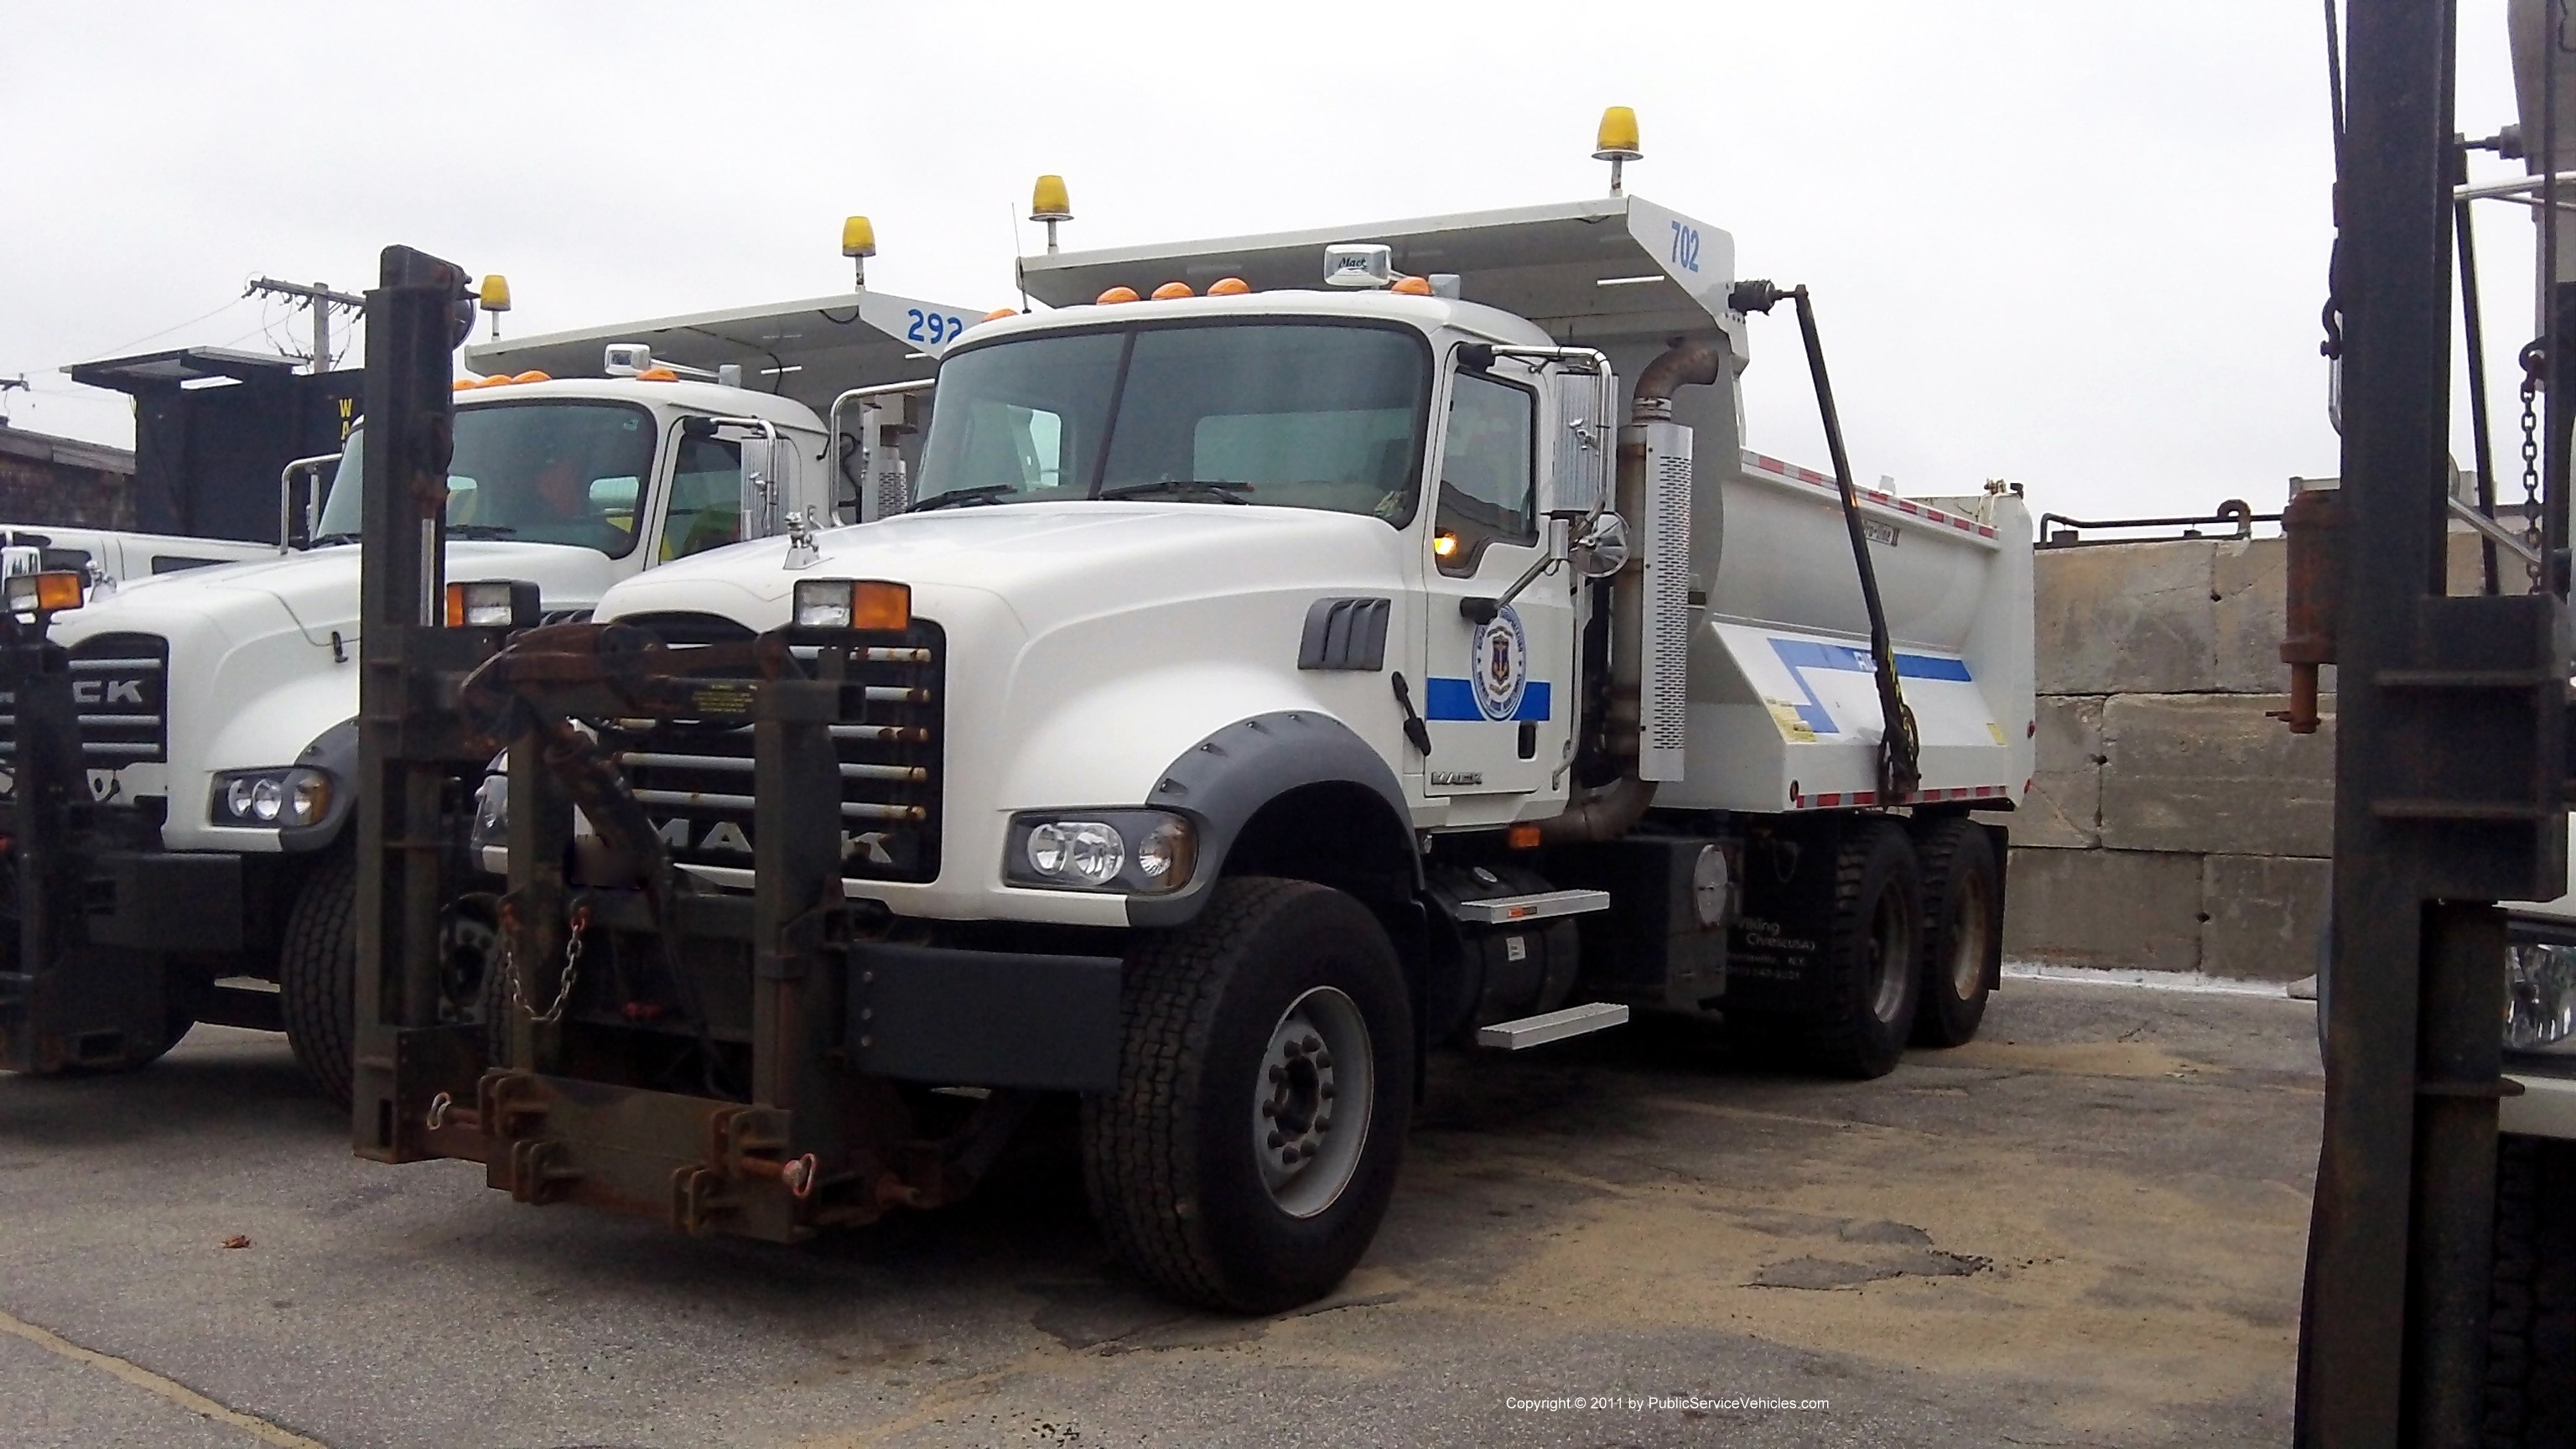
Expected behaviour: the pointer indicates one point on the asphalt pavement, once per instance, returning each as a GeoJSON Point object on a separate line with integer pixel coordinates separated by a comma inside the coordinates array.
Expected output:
{"type": "Point", "coordinates": [2086, 1228]}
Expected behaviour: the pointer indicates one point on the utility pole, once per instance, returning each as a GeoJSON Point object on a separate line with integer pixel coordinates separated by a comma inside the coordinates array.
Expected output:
{"type": "Point", "coordinates": [321, 299]}
{"type": "Point", "coordinates": [7, 386]}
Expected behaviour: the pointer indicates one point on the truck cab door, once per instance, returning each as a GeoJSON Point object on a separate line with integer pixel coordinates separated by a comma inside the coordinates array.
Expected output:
{"type": "Point", "coordinates": [1498, 696]}
{"type": "Point", "coordinates": [702, 501]}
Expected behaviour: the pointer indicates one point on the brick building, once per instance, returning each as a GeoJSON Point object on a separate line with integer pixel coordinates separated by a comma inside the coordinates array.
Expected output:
{"type": "Point", "coordinates": [63, 481]}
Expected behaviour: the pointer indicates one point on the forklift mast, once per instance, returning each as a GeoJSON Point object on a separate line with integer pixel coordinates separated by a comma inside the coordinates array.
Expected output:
{"type": "Point", "coordinates": [2450, 779]}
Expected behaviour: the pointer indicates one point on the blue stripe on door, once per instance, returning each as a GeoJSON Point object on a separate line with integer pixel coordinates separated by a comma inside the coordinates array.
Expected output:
{"type": "Point", "coordinates": [1455, 699]}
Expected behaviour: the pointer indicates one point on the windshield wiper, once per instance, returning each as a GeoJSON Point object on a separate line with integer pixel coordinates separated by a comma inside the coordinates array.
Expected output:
{"type": "Point", "coordinates": [980, 493]}
{"type": "Point", "coordinates": [1216, 489]}
{"type": "Point", "coordinates": [480, 530]}
{"type": "Point", "coordinates": [327, 539]}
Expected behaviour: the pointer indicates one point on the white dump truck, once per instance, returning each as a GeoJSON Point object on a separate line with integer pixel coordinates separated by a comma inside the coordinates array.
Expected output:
{"type": "Point", "coordinates": [1268, 682]}
{"type": "Point", "coordinates": [217, 706]}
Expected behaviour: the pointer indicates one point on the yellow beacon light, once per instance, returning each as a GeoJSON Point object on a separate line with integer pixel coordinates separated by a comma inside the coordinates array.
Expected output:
{"type": "Point", "coordinates": [1616, 142]}
{"type": "Point", "coordinates": [494, 297]}
{"type": "Point", "coordinates": [1050, 203]}
{"type": "Point", "coordinates": [858, 243]}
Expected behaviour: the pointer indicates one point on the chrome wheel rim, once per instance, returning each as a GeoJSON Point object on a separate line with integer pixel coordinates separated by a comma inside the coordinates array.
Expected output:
{"type": "Point", "coordinates": [1311, 1100]}
{"type": "Point", "coordinates": [1891, 951]}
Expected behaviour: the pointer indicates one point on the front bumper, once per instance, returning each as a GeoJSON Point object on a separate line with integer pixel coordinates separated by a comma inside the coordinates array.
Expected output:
{"type": "Point", "coordinates": [155, 901]}
{"type": "Point", "coordinates": [2546, 1106]}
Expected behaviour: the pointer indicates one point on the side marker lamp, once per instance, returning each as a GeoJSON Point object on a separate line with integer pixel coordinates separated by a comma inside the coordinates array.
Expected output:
{"type": "Point", "coordinates": [873, 605]}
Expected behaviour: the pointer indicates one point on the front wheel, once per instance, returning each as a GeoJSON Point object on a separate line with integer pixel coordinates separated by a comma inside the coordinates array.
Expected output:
{"type": "Point", "coordinates": [317, 974]}
{"type": "Point", "coordinates": [1265, 1086]}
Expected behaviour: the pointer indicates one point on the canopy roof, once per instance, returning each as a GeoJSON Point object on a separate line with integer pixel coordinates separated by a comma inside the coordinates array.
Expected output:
{"type": "Point", "coordinates": [810, 350]}
{"type": "Point", "coordinates": [1617, 267]}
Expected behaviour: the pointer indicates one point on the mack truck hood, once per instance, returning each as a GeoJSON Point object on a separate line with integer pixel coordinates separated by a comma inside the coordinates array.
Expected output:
{"type": "Point", "coordinates": [316, 592]}
{"type": "Point", "coordinates": [1049, 562]}
{"type": "Point", "coordinates": [259, 664]}
{"type": "Point", "coordinates": [1085, 647]}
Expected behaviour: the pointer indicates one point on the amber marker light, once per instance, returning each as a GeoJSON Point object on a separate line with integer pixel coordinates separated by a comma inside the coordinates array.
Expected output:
{"type": "Point", "coordinates": [657, 374]}
{"type": "Point", "coordinates": [51, 592]}
{"type": "Point", "coordinates": [869, 604]}
{"type": "Point", "coordinates": [1412, 286]}
{"type": "Point", "coordinates": [1117, 294]}
{"type": "Point", "coordinates": [1228, 287]}
{"type": "Point", "coordinates": [532, 375]}
{"type": "Point", "coordinates": [1445, 544]}
{"type": "Point", "coordinates": [998, 313]}
{"type": "Point", "coordinates": [1173, 292]}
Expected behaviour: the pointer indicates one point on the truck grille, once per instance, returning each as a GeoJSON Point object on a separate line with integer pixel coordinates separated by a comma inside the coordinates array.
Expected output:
{"type": "Point", "coordinates": [695, 780]}
{"type": "Point", "coordinates": [120, 685]}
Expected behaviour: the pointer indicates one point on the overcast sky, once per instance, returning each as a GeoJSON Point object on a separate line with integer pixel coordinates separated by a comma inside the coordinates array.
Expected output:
{"type": "Point", "coordinates": [2069, 242]}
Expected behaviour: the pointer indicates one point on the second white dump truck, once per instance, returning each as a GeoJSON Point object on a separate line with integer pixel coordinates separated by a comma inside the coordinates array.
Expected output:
{"type": "Point", "coordinates": [1301, 650]}
{"type": "Point", "coordinates": [217, 706]}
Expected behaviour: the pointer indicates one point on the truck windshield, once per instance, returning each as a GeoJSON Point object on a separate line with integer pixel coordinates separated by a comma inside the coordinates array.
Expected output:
{"type": "Point", "coordinates": [550, 472]}
{"type": "Point", "coordinates": [1296, 415]}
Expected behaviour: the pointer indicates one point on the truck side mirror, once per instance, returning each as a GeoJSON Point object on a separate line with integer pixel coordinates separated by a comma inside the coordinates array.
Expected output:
{"type": "Point", "coordinates": [1577, 447]}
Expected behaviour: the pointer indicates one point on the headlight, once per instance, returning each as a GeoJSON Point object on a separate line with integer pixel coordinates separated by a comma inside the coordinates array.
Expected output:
{"type": "Point", "coordinates": [2540, 995]}
{"type": "Point", "coordinates": [1132, 852]}
{"type": "Point", "coordinates": [492, 811]}
{"type": "Point", "coordinates": [287, 797]}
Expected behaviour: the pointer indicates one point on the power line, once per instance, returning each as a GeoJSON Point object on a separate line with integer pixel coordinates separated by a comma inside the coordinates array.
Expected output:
{"type": "Point", "coordinates": [321, 299]}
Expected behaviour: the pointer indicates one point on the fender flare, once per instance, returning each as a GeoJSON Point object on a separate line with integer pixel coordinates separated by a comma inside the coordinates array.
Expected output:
{"type": "Point", "coordinates": [335, 750]}
{"type": "Point", "coordinates": [1225, 779]}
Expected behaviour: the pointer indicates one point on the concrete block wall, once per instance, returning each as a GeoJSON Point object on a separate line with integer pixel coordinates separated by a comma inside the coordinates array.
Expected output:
{"type": "Point", "coordinates": [2172, 825]}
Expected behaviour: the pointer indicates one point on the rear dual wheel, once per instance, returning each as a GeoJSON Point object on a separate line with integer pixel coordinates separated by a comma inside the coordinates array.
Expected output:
{"type": "Point", "coordinates": [1869, 975]}
{"type": "Point", "coordinates": [1963, 918]}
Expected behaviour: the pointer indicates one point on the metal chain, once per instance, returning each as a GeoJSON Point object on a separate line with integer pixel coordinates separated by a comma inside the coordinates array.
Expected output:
{"type": "Point", "coordinates": [563, 987]}
{"type": "Point", "coordinates": [2531, 533]}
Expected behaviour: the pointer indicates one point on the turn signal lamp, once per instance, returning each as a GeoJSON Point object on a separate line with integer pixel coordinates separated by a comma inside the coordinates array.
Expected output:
{"type": "Point", "coordinates": [858, 243]}
{"type": "Point", "coordinates": [1173, 291]}
{"type": "Point", "coordinates": [1228, 287]}
{"type": "Point", "coordinates": [1445, 544]}
{"type": "Point", "coordinates": [51, 592]}
{"type": "Point", "coordinates": [1412, 286]}
{"type": "Point", "coordinates": [1117, 294]}
{"type": "Point", "coordinates": [871, 604]}
{"type": "Point", "coordinates": [493, 604]}
{"type": "Point", "coordinates": [1616, 142]}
